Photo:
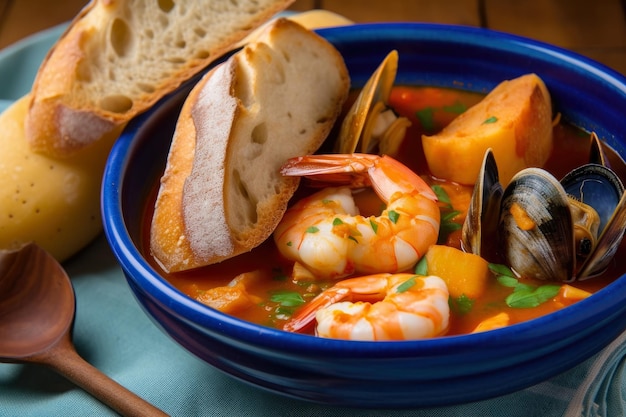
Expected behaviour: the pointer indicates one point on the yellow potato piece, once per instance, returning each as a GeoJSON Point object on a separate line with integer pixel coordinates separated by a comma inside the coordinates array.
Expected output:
{"type": "Point", "coordinates": [494, 322]}
{"type": "Point", "coordinates": [514, 120]}
{"type": "Point", "coordinates": [464, 273]}
{"type": "Point", "coordinates": [52, 202]}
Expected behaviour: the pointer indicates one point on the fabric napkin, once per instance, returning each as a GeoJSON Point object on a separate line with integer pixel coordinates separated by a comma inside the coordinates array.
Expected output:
{"type": "Point", "coordinates": [116, 336]}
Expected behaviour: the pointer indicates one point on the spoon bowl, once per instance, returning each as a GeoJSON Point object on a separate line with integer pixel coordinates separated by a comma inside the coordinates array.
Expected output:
{"type": "Point", "coordinates": [37, 310]}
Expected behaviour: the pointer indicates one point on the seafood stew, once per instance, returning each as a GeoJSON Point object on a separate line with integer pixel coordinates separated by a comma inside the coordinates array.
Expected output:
{"type": "Point", "coordinates": [409, 374]}
{"type": "Point", "coordinates": [265, 288]}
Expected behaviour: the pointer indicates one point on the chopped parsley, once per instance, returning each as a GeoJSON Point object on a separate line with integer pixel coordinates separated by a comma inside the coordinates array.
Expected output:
{"type": "Point", "coordinates": [442, 195]}
{"type": "Point", "coordinates": [501, 270]}
{"type": "Point", "coordinates": [456, 108]}
{"type": "Point", "coordinates": [422, 267]}
{"type": "Point", "coordinates": [426, 116]}
{"type": "Point", "coordinates": [461, 305]}
{"type": "Point", "coordinates": [406, 285]}
{"type": "Point", "coordinates": [287, 298]}
{"type": "Point", "coordinates": [447, 224]}
{"type": "Point", "coordinates": [523, 295]}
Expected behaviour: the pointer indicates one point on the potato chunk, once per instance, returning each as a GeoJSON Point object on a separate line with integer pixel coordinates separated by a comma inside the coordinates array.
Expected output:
{"type": "Point", "coordinates": [514, 120]}
{"type": "Point", "coordinates": [464, 273]}
{"type": "Point", "coordinates": [54, 202]}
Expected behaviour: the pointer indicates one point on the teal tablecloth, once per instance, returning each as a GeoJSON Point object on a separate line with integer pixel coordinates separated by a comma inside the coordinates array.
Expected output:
{"type": "Point", "coordinates": [115, 335]}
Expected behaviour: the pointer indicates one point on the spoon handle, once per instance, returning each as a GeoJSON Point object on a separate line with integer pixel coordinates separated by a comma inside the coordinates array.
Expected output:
{"type": "Point", "coordinates": [65, 360]}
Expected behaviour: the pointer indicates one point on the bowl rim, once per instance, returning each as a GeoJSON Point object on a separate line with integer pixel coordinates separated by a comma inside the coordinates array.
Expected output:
{"type": "Point", "coordinates": [145, 277]}
{"type": "Point", "coordinates": [442, 32]}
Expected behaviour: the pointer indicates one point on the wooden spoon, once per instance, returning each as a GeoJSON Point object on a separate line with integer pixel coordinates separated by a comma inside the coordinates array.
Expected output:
{"type": "Point", "coordinates": [37, 308]}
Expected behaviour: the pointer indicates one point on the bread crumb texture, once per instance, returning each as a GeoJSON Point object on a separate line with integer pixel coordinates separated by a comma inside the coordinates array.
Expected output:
{"type": "Point", "coordinates": [163, 38]}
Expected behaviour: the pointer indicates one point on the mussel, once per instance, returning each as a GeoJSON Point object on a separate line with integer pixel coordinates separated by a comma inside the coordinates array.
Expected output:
{"type": "Point", "coordinates": [545, 228]}
{"type": "Point", "coordinates": [370, 123]}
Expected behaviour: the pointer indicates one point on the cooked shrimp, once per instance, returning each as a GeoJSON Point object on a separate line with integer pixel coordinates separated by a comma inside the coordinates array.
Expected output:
{"type": "Point", "coordinates": [378, 307]}
{"type": "Point", "coordinates": [325, 233]}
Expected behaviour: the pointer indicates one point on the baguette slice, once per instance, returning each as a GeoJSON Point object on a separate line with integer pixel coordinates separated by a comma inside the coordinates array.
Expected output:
{"type": "Point", "coordinates": [222, 194]}
{"type": "Point", "coordinates": [117, 58]}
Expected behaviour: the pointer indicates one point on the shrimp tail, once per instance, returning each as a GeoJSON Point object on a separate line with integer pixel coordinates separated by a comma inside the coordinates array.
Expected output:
{"type": "Point", "coordinates": [331, 169]}
{"type": "Point", "coordinates": [386, 175]}
{"type": "Point", "coordinates": [328, 163]}
{"type": "Point", "coordinates": [306, 316]}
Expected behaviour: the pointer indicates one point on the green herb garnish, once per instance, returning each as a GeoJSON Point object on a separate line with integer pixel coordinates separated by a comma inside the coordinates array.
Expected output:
{"type": "Point", "coordinates": [374, 226]}
{"type": "Point", "coordinates": [490, 120]}
{"type": "Point", "coordinates": [422, 267]}
{"type": "Point", "coordinates": [447, 223]}
{"type": "Point", "coordinates": [337, 221]}
{"type": "Point", "coordinates": [393, 216]}
{"type": "Point", "coordinates": [456, 108]}
{"type": "Point", "coordinates": [442, 195]}
{"type": "Point", "coordinates": [523, 295]}
{"type": "Point", "coordinates": [506, 281]}
{"type": "Point", "coordinates": [531, 296]}
{"type": "Point", "coordinates": [406, 285]}
{"type": "Point", "coordinates": [501, 270]}
{"type": "Point", "coordinates": [287, 298]}
{"type": "Point", "coordinates": [426, 116]}
{"type": "Point", "coordinates": [312, 229]}
{"type": "Point", "coordinates": [462, 304]}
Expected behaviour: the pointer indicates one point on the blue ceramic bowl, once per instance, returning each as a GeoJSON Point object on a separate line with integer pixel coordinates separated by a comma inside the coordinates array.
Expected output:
{"type": "Point", "coordinates": [445, 370]}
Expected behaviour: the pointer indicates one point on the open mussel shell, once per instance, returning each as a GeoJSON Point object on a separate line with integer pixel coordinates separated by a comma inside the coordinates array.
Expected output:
{"type": "Point", "coordinates": [597, 155]}
{"type": "Point", "coordinates": [536, 227]}
{"type": "Point", "coordinates": [543, 223]}
{"type": "Point", "coordinates": [599, 187]}
{"type": "Point", "coordinates": [376, 90]}
{"type": "Point", "coordinates": [607, 245]}
{"type": "Point", "coordinates": [481, 223]}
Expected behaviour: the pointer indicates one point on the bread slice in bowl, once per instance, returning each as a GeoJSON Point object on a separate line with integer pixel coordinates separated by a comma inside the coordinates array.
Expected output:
{"type": "Point", "coordinates": [222, 194]}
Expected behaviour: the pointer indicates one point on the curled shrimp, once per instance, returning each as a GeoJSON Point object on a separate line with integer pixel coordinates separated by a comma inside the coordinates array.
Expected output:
{"type": "Point", "coordinates": [378, 307]}
{"type": "Point", "coordinates": [325, 233]}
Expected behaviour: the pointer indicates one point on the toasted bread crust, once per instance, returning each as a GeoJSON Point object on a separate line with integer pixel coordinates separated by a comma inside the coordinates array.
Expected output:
{"type": "Point", "coordinates": [222, 194]}
{"type": "Point", "coordinates": [117, 58]}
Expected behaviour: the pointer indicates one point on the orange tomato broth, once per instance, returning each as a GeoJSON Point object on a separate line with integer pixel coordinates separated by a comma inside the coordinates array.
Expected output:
{"type": "Point", "coordinates": [429, 109]}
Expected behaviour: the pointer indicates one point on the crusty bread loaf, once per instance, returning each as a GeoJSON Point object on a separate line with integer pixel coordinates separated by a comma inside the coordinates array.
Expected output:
{"type": "Point", "coordinates": [222, 193]}
{"type": "Point", "coordinates": [117, 58]}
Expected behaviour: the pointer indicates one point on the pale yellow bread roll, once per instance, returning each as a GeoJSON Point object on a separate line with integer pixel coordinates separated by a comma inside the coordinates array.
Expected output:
{"type": "Point", "coordinates": [54, 202]}
{"type": "Point", "coordinates": [222, 193]}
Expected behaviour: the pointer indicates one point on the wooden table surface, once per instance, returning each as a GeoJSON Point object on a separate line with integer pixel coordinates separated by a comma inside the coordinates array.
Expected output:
{"type": "Point", "coordinates": [595, 28]}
